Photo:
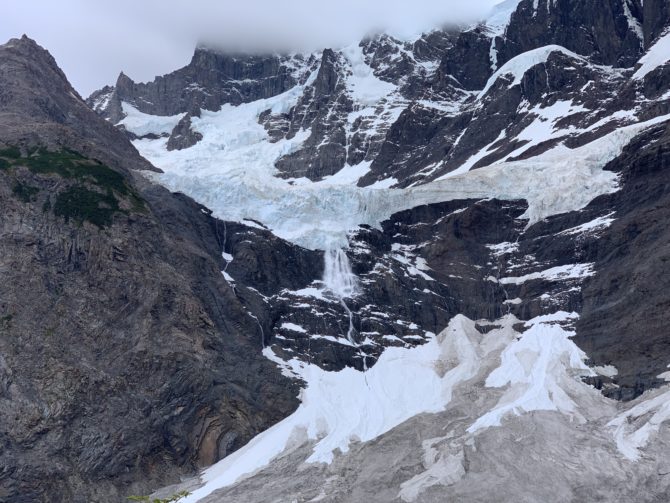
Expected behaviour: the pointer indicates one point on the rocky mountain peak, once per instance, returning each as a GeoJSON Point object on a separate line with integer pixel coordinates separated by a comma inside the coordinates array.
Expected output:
{"type": "Point", "coordinates": [609, 32]}
{"type": "Point", "coordinates": [39, 105]}
{"type": "Point", "coordinates": [103, 394]}
{"type": "Point", "coordinates": [656, 17]}
{"type": "Point", "coordinates": [124, 83]}
{"type": "Point", "coordinates": [328, 74]}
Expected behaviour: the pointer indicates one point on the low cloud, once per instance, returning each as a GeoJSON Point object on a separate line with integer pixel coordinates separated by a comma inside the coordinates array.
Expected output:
{"type": "Point", "coordinates": [93, 41]}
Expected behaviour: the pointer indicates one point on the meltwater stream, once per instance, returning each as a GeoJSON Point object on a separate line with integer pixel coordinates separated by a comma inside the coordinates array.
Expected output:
{"type": "Point", "coordinates": [339, 279]}
{"type": "Point", "coordinates": [337, 275]}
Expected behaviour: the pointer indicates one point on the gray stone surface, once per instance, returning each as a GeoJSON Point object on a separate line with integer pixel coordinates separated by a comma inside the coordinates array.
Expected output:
{"type": "Point", "coordinates": [126, 359]}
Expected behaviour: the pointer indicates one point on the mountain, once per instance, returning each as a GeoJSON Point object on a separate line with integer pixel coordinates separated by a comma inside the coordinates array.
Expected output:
{"type": "Point", "coordinates": [126, 360]}
{"type": "Point", "coordinates": [395, 271]}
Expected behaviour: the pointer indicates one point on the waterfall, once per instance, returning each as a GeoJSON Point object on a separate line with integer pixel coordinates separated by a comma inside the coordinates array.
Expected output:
{"type": "Point", "coordinates": [337, 274]}
{"type": "Point", "coordinates": [341, 282]}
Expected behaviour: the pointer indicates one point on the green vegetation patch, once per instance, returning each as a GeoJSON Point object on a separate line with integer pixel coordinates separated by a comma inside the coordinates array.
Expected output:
{"type": "Point", "coordinates": [81, 204]}
{"type": "Point", "coordinates": [70, 164]}
{"type": "Point", "coordinates": [93, 199]}
{"type": "Point", "coordinates": [67, 164]}
{"type": "Point", "coordinates": [24, 192]}
{"type": "Point", "coordinates": [170, 499]}
{"type": "Point", "coordinates": [11, 153]}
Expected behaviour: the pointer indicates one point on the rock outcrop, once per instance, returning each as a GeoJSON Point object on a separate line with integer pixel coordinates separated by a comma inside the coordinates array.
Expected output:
{"type": "Point", "coordinates": [126, 358]}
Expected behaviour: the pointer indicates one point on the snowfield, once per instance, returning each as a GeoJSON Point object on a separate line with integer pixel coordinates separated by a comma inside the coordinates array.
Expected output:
{"type": "Point", "coordinates": [515, 373]}
{"type": "Point", "coordinates": [658, 55]}
{"type": "Point", "coordinates": [338, 408]}
{"type": "Point", "coordinates": [231, 171]}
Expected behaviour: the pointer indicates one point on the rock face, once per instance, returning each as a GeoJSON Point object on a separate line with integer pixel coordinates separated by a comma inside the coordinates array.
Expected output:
{"type": "Point", "coordinates": [210, 79]}
{"type": "Point", "coordinates": [182, 135]}
{"type": "Point", "coordinates": [408, 112]}
{"type": "Point", "coordinates": [59, 118]}
{"type": "Point", "coordinates": [127, 360]}
{"type": "Point", "coordinates": [624, 320]}
{"type": "Point", "coordinates": [656, 14]}
{"type": "Point", "coordinates": [610, 32]}
{"type": "Point", "coordinates": [323, 108]}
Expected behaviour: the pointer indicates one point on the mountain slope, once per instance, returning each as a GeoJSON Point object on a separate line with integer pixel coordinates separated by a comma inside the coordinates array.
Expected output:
{"type": "Point", "coordinates": [126, 359]}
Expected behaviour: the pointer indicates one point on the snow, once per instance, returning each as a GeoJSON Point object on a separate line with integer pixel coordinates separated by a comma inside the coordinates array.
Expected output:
{"type": "Point", "coordinates": [348, 175]}
{"type": "Point", "coordinates": [500, 16]}
{"type": "Point", "coordinates": [594, 225]}
{"type": "Point", "coordinates": [539, 369]}
{"type": "Point", "coordinates": [543, 127]}
{"type": "Point", "coordinates": [559, 273]}
{"type": "Point", "coordinates": [633, 23]}
{"type": "Point", "coordinates": [414, 265]}
{"type": "Point", "coordinates": [310, 291]}
{"type": "Point", "coordinates": [376, 103]}
{"type": "Point", "coordinates": [293, 327]}
{"type": "Point", "coordinates": [474, 159]}
{"type": "Point", "coordinates": [143, 124]}
{"type": "Point", "coordinates": [364, 87]}
{"type": "Point", "coordinates": [536, 369]}
{"type": "Point", "coordinates": [606, 370]}
{"type": "Point", "coordinates": [634, 428]}
{"type": "Point", "coordinates": [231, 170]}
{"type": "Point", "coordinates": [340, 407]}
{"type": "Point", "coordinates": [384, 184]}
{"type": "Point", "coordinates": [557, 181]}
{"type": "Point", "coordinates": [493, 55]}
{"type": "Point", "coordinates": [450, 108]}
{"type": "Point", "coordinates": [657, 55]}
{"type": "Point", "coordinates": [519, 65]}
{"type": "Point", "coordinates": [500, 249]}
{"type": "Point", "coordinates": [102, 102]}
{"type": "Point", "coordinates": [624, 116]}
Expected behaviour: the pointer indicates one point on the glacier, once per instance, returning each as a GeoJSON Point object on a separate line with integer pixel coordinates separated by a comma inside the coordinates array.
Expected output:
{"type": "Point", "coordinates": [523, 368]}
{"type": "Point", "coordinates": [231, 171]}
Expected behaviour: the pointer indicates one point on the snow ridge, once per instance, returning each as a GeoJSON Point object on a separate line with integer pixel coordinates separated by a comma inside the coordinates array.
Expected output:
{"type": "Point", "coordinates": [657, 55]}
{"type": "Point", "coordinates": [519, 65]}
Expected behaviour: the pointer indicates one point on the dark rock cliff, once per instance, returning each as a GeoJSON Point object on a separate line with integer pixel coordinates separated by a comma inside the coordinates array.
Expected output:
{"type": "Point", "coordinates": [126, 358]}
{"type": "Point", "coordinates": [607, 30]}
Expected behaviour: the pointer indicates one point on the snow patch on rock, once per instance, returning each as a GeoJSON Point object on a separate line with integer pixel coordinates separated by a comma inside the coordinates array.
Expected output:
{"type": "Point", "coordinates": [519, 65]}
{"type": "Point", "coordinates": [657, 55]}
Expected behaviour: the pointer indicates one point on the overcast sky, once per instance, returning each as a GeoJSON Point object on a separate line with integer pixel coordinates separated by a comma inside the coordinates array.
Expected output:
{"type": "Point", "coordinates": [93, 40]}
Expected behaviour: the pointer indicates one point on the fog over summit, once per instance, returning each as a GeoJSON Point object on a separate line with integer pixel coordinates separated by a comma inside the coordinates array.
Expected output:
{"type": "Point", "coordinates": [152, 37]}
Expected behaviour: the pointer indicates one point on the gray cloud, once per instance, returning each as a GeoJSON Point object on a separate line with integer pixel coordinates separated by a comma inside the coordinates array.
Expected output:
{"type": "Point", "coordinates": [94, 40]}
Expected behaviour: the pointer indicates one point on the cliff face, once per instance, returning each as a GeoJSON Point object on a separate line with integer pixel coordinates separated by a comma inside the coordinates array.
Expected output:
{"type": "Point", "coordinates": [127, 359]}
{"type": "Point", "coordinates": [210, 79]}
